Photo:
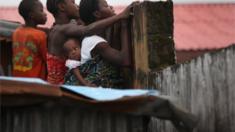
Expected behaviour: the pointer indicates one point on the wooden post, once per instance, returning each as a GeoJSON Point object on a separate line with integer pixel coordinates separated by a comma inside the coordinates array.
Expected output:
{"type": "Point", "coordinates": [152, 39]}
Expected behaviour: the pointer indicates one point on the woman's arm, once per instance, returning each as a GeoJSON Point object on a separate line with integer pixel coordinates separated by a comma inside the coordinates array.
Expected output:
{"type": "Point", "coordinates": [74, 30]}
{"type": "Point", "coordinates": [114, 56]}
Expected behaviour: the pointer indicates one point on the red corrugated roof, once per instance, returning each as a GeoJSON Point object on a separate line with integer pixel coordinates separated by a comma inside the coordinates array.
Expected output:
{"type": "Point", "coordinates": [197, 26]}
{"type": "Point", "coordinates": [204, 26]}
{"type": "Point", "coordinates": [11, 14]}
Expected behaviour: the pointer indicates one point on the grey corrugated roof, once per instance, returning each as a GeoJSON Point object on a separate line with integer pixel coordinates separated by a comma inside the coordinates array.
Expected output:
{"type": "Point", "coordinates": [7, 28]}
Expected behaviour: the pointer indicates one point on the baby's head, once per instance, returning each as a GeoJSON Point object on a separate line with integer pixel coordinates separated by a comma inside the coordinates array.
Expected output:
{"type": "Point", "coordinates": [72, 49]}
{"type": "Point", "coordinates": [92, 10]}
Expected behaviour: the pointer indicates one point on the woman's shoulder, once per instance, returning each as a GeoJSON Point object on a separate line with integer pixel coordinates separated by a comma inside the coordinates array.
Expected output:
{"type": "Point", "coordinates": [93, 39]}
{"type": "Point", "coordinates": [88, 44]}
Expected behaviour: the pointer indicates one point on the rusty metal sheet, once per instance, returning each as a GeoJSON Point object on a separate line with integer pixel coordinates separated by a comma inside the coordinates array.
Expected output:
{"type": "Point", "coordinates": [9, 87]}
{"type": "Point", "coordinates": [18, 93]}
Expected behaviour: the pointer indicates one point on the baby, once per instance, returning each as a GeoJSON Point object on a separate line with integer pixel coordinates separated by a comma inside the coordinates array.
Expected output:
{"type": "Point", "coordinates": [72, 49]}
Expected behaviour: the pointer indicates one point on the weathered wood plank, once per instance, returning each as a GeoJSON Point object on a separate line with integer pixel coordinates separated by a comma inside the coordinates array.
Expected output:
{"type": "Point", "coordinates": [152, 39]}
{"type": "Point", "coordinates": [204, 86]}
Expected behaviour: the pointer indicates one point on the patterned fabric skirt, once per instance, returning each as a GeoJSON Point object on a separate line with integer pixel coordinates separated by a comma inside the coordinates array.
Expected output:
{"type": "Point", "coordinates": [97, 71]}
{"type": "Point", "coordinates": [56, 69]}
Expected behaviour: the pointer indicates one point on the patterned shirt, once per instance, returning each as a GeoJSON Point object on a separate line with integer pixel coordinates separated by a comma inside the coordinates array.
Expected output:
{"type": "Point", "coordinates": [29, 53]}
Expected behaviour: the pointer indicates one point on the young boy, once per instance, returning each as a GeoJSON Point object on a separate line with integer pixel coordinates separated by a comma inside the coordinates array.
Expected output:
{"type": "Point", "coordinates": [63, 11]}
{"type": "Point", "coordinates": [29, 43]}
{"type": "Point", "coordinates": [72, 49]}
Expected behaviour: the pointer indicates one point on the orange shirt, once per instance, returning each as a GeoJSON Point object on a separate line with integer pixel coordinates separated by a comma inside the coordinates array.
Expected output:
{"type": "Point", "coordinates": [29, 53]}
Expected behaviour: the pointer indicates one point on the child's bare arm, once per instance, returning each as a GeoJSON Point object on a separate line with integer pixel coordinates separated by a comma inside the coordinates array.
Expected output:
{"type": "Point", "coordinates": [80, 30]}
{"type": "Point", "coordinates": [81, 79]}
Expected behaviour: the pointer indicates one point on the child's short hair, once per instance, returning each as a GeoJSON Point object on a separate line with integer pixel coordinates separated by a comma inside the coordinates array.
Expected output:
{"type": "Point", "coordinates": [86, 9]}
{"type": "Point", "coordinates": [25, 7]}
{"type": "Point", "coordinates": [52, 6]}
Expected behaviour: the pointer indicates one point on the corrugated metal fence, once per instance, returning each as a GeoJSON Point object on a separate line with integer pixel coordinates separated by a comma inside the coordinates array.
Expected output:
{"type": "Point", "coordinates": [206, 87]}
{"type": "Point", "coordinates": [67, 119]}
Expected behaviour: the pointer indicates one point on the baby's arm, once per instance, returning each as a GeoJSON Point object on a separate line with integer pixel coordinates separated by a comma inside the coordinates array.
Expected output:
{"type": "Point", "coordinates": [78, 75]}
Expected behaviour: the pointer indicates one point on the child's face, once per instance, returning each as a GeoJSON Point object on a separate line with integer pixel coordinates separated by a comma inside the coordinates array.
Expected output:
{"type": "Point", "coordinates": [38, 15]}
{"type": "Point", "coordinates": [79, 20]}
{"type": "Point", "coordinates": [105, 10]}
{"type": "Point", "coordinates": [71, 9]}
{"type": "Point", "coordinates": [73, 49]}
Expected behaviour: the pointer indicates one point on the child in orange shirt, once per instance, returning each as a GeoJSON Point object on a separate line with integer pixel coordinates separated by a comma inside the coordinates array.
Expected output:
{"type": "Point", "coordinates": [29, 43]}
